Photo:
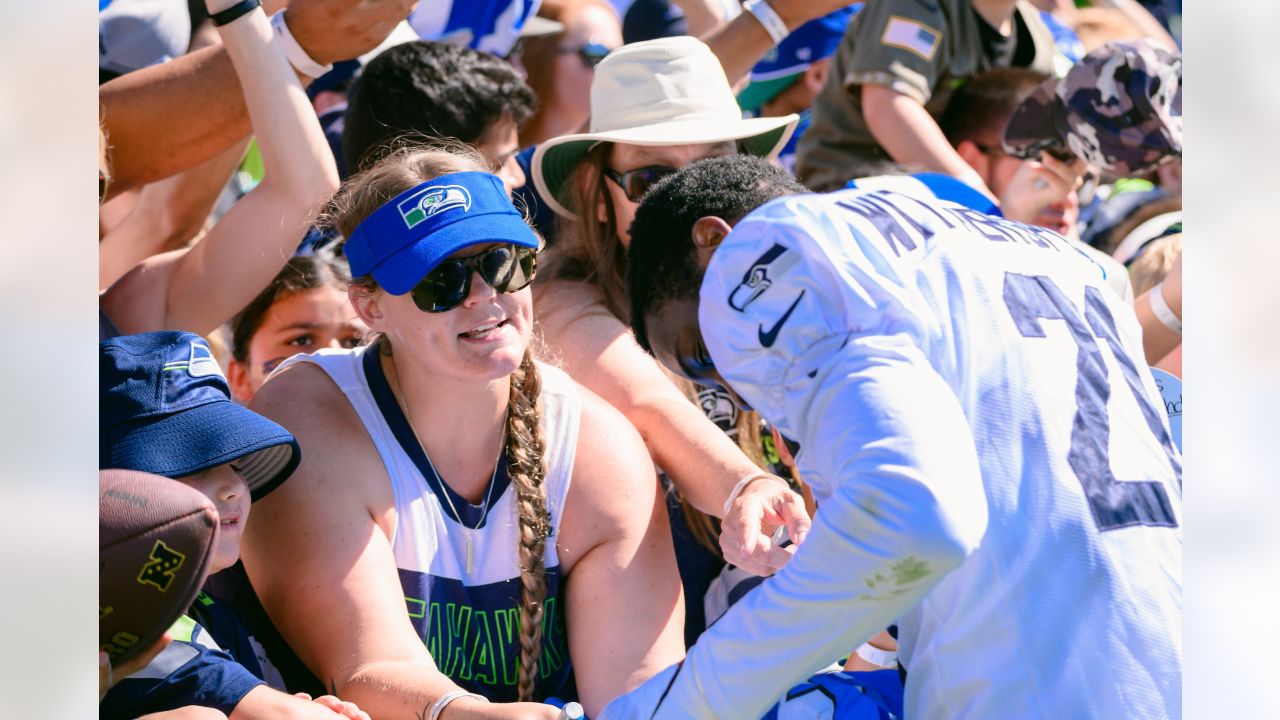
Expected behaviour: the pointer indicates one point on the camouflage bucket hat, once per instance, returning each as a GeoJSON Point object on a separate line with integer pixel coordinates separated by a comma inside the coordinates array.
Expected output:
{"type": "Point", "coordinates": [1119, 109]}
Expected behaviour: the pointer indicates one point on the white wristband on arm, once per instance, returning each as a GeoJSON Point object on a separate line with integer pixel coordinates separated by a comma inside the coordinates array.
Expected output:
{"type": "Point", "coordinates": [737, 489]}
{"type": "Point", "coordinates": [1161, 309]}
{"type": "Point", "coordinates": [876, 656]}
{"type": "Point", "coordinates": [449, 697]}
{"type": "Point", "coordinates": [298, 57]}
{"type": "Point", "coordinates": [768, 18]}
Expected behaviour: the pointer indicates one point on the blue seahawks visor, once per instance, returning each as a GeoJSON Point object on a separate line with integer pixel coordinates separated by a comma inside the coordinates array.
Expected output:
{"type": "Point", "coordinates": [414, 232]}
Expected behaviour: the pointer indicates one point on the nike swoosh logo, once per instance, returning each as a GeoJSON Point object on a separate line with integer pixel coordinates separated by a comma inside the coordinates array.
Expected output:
{"type": "Point", "coordinates": [768, 337]}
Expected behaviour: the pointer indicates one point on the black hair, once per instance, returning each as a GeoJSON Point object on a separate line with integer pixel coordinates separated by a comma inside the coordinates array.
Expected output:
{"type": "Point", "coordinates": [983, 104]}
{"type": "Point", "coordinates": [662, 262]}
{"type": "Point", "coordinates": [430, 90]}
{"type": "Point", "coordinates": [317, 269]}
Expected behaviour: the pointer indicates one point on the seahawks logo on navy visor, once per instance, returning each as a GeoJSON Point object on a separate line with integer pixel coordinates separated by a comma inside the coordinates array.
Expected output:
{"type": "Point", "coordinates": [432, 201]}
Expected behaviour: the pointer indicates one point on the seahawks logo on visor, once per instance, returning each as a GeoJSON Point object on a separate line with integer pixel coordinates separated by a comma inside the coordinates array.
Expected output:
{"type": "Point", "coordinates": [433, 201]}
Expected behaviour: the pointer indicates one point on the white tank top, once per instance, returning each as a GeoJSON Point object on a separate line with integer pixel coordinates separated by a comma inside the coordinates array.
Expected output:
{"type": "Point", "coordinates": [467, 613]}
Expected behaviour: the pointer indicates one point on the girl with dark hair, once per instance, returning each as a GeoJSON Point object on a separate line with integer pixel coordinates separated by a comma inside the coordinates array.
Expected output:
{"type": "Point", "coordinates": [514, 512]}
{"type": "Point", "coordinates": [305, 308]}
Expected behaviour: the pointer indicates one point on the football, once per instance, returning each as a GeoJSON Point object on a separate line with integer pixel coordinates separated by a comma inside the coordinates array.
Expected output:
{"type": "Point", "coordinates": [155, 540]}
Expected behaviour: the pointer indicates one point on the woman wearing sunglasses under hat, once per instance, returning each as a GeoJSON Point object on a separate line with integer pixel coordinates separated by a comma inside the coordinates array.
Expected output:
{"type": "Point", "coordinates": [514, 513]}
{"type": "Point", "coordinates": [655, 107]}
{"type": "Point", "coordinates": [561, 65]}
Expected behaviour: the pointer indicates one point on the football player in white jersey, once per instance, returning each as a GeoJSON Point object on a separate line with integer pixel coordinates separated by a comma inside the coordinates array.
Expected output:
{"type": "Point", "coordinates": [992, 468]}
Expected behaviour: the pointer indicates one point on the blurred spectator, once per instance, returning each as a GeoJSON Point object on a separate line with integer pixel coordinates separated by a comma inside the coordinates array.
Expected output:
{"type": "Point", "coordinates": [560, 66]}
{"type": "Point", "coordinates": [422, 90]}
{"type": "Point", "coordinates": [790, 76]}
{"type": "Point", "coordinates": [1120, 110]}
{"type": "Point", "coordinates": [1153, 261]}
{"type": "Point", "coordinates": [894, 73]}
{"type": "Point", "coordinates": [201, 287]}
{"type": "Point", "coordinates": [304, 309]}
{"type": "Point", "coordinates": [133, 34]}
{"type": "Point", "coordinates": [491, 26]}
{"type": "Point", "coordinates": [652, 19]}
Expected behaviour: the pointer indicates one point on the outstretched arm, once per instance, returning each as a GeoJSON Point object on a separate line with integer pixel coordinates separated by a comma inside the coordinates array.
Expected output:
{"type": "Point", "coordinates": [906, 506]}
{"type": "Point", "coordinates": [599, 351]}
{"type": "Point", "coordinates": [202, 287]}
{"type": "Point", "coordinates": [166, 118]}
{"type": "Point", "coordinates": [743, 41]}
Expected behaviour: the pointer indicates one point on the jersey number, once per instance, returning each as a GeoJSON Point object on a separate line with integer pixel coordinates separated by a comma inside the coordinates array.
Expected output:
{"type": "Point", "coordinates": [1114, 503]}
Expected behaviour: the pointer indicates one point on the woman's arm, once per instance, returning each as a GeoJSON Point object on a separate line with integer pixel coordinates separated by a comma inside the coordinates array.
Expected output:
{"type": "Point", "coordinates": [166, 215]}
{"type": "Point", "coordinates": [318, 554]}
{"type": "Point", "coordinates": [597, 350]}
{"type": "Point", "coordinates": [201, 288]}
{"type": "Point", "coordinates": [624, 605]}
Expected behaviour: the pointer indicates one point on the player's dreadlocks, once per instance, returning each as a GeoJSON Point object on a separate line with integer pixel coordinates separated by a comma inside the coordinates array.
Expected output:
{"type": "Point", "coordinates": [662, 262]}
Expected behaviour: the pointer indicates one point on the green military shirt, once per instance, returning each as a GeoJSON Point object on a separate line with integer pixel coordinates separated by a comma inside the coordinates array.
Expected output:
{"type": "Point", "coordinates": [921, 48]}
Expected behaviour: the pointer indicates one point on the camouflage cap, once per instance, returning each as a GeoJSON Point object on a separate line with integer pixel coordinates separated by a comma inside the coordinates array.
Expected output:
{"type": "Point", "coordinates": [1119, 109]}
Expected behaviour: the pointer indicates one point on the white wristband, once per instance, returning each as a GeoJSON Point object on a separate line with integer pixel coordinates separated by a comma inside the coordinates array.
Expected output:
{"type": "Point", "coordinates": [1161, 309]}
{"type": "Point", "coordinates": [737, 489]}
{"type": "Point", "coordinates": [449, 697]}
{"type": "Point", "coordinates": [768, 18]}
{"type": "Point", "coordinates": [298, 57]}
{"type": "Point", "coordinates": [876, 656]}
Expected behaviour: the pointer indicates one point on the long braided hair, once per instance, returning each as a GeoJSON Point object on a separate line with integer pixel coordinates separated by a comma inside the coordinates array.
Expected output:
{"type": "Point", "coordinates": [525, 445]}
{"type": "Point", "coordinates": [528, 473]}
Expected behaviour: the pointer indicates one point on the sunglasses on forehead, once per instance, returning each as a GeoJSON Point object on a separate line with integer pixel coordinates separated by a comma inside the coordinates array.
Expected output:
{"type": "Point", "coordinates": [590, 52]}
{"type": "Point", "coordinates": [507, 269]}
{"type": "Point", "coordinates": [635, 183]}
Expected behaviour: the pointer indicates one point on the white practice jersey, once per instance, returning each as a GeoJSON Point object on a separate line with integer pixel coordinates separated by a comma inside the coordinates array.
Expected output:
{"type": "Point", "coordinates": [990, 456]}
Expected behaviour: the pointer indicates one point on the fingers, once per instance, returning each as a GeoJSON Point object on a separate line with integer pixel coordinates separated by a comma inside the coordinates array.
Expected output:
{"type": "Point", "coordinates": [346, 709]}
{"type": "Point", "coordinates": [740, 533]}
{"type": "Point", "coordinates": [791, 512]}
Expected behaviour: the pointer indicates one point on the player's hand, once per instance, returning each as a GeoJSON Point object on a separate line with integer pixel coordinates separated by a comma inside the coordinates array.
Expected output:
{"type": "Point", "coordinates": [763, 506]}
{"type": "Point", "coordinates": [1039, 184]}
{"type": "Point", "coordinates": [333, 30]}
{"type": "Point", "coordinates": [108, 676]}
{"type": "Point", "coordinates": [343, 708]}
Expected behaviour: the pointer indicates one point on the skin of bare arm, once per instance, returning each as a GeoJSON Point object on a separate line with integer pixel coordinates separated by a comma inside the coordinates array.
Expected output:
{"type": "Point", "coordinates": [599, 352]}
{"type": "Point", "coordinates": [741, 42]}
{"type": "Point", "coordinates": [166, 118]}
{"type": "Point", "coordinates": [625, 586]}
{"type": "Point", "coordinates": [908, 133]}
{"type": "Point", "coordinates": [200, 288]}
{"type": "Point", "coordinates": [166, 215]}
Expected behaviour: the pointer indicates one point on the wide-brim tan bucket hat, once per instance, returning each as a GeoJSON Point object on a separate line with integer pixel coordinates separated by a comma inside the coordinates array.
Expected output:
{"type": "Point", "coordinates": [670, 91]}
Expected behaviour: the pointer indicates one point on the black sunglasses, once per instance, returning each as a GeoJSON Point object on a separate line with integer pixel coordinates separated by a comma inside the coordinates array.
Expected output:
{"type": "Point", "coordinates": [591, 52]}
{"type": "Point", "coordinates": [507, 269]}
{"type": "Point", "coordinates": [635, 183]}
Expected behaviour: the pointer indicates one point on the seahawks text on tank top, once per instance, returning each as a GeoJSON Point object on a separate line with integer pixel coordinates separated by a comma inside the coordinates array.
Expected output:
{"type": "Point", "coordinates": [469, 619]}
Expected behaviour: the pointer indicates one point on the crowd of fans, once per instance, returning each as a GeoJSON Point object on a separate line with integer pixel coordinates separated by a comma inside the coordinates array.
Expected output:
{"type": "Point", "coordinates": [461, 487]}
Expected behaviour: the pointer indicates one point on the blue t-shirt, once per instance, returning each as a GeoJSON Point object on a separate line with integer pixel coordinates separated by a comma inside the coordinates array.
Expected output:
{"type": "Point", "coordinates": [212, 662]}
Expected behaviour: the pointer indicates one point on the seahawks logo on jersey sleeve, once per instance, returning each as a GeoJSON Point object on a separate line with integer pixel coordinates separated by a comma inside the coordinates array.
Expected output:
{"type": "Point", "coordinates": [756, 280]}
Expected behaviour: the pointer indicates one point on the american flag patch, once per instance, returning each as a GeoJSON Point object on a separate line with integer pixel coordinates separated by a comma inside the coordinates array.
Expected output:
{"type": "Point", "coordinates": [911, 35]}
